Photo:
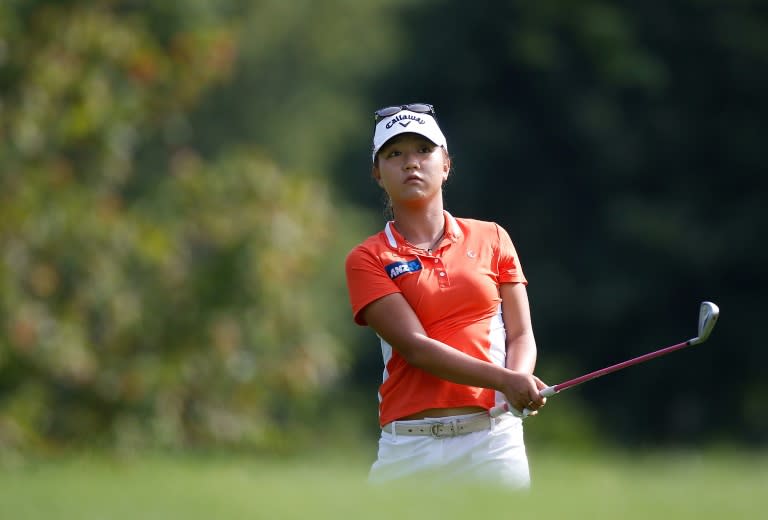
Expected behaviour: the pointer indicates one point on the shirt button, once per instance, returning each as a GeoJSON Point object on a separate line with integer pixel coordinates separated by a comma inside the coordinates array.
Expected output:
{"type": "Point", "coordinates": [436, 260]}
{"type": "Point", "coordinates": [442, 273]}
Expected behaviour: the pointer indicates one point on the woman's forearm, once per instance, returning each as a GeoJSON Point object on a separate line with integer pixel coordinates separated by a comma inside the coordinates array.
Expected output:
{"type": "Point", "coordinates": [448, 363]}
{"type": "Point", "coordinates": [521, 353]}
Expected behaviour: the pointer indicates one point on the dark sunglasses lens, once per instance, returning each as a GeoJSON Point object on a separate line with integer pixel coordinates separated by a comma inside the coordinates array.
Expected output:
{"type": "Point", "coordinates": [420, 108]}
{"type": "Point", "coordinates": [388, 111]}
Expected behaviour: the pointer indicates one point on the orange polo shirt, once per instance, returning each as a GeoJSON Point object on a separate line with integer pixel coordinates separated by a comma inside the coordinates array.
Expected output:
{"type": "Point", "coordinates": [455, 293]}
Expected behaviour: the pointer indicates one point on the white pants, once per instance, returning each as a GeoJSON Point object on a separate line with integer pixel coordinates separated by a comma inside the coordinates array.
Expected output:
{"type": "Point", "coordinates": [496, 455]}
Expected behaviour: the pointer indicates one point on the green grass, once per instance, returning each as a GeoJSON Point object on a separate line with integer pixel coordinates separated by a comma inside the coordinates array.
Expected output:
{"type": "Point", "coordinates": [659, 486]}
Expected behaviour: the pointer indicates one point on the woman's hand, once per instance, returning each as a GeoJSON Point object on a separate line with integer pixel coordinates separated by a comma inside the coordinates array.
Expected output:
{"type": "Point", "coordinates": [522, 391]}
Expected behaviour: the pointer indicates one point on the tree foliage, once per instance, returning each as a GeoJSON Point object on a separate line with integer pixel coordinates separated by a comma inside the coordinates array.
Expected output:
{"type": "Point", "coordinates": [149, 294]}
{"type": "Point", "coordinates": [619, 143]}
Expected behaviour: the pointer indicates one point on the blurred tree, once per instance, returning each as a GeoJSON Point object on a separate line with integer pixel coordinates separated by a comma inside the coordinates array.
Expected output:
{"type": "Point", "coordinates": [620, 143]}
{"type": "Point", "coordinates": [149, 293]}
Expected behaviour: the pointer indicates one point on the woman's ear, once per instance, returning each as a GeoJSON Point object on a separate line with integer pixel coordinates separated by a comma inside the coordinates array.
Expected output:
{"type": "Point", "coordinates": [376, 174]}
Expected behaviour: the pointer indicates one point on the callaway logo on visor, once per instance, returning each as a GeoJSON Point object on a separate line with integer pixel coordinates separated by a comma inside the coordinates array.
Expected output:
{"type": "Point", "coordinates": [401, 118]}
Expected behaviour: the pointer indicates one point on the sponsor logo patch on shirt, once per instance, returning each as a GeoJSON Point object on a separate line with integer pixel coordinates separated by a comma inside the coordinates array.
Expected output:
{"type": "Point", "coordinates": [396, 269]}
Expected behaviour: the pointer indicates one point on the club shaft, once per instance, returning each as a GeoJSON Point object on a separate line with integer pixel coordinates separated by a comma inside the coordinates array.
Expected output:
{"type": "Point", "coordinates": [619, 366]}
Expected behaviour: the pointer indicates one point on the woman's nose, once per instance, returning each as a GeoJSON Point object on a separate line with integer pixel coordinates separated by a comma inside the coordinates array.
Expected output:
{"type": "Point", "coordinates": [411, 161]}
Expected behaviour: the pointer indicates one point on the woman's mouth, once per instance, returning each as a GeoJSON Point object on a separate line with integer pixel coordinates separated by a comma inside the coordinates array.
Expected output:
{"type": "Point", "coordinates": [413, 178]}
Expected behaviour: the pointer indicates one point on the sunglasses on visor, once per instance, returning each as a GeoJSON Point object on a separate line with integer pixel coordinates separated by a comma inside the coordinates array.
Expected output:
{"type": "Point", "coordinates": [419, 108]}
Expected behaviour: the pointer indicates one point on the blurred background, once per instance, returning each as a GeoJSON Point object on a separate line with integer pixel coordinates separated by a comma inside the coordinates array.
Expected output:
{"type": "Point", "coordinates": [181, 181]}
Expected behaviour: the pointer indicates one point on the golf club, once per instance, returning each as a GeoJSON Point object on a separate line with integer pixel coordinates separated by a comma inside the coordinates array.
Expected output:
{"type": "Point", "coordinates": [708, 314]}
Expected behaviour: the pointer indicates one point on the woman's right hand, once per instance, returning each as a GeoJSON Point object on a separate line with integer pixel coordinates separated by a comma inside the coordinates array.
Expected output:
{"type": "Point", "coordinates": [522, 391]}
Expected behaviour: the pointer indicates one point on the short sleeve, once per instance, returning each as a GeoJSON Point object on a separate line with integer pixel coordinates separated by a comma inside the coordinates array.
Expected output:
{"type": "Point", "coordinates": [367, 281]}
{"type": "Point", "coordinates": [510, 270]}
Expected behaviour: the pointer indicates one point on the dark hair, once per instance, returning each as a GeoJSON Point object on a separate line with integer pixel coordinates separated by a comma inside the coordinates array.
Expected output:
{"type": "Point", "coordinates": [388, 212]}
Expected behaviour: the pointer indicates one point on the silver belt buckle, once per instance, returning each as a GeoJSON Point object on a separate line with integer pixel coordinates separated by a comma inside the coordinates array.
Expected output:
{"type": "Point", "coordinates": [437, 434]}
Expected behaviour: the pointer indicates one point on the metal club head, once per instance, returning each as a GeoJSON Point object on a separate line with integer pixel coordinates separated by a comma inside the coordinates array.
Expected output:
{"type": "Point", "coordinates": [708, 314]}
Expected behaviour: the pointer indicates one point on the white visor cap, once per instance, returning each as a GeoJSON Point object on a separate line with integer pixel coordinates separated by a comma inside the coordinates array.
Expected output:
{"type": "Point", "coordinates": [404, 122]}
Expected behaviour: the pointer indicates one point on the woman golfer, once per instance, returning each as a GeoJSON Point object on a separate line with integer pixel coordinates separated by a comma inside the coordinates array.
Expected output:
{"type": "Point", "coordinates": [447, 298]}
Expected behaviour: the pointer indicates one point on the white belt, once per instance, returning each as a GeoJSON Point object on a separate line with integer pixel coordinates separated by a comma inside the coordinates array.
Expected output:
{"type": "Point", "coordinates": [446, 428]}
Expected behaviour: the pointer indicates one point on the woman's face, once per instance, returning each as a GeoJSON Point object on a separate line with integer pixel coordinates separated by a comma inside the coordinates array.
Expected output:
{"type": "Point", "coordinates": [411, 168]}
